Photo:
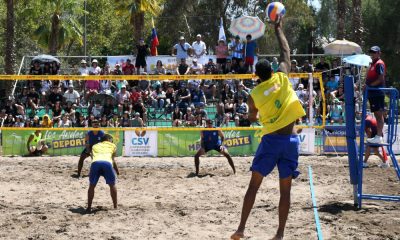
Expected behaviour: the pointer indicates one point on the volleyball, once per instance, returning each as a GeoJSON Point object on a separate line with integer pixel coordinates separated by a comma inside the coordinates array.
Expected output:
{"type": "Point", "coordinates": [275, 10]}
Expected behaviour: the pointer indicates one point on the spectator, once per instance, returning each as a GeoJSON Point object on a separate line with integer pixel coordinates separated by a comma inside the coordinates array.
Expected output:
{"type": "Point", "coordinates": [140, 108]}
{"type": "Point", "coordinates": [237, 50]}
{"type": "Point", "coordinates": [294, 68]}
{"type": "Point", "coordinates": [196, 68]}
{"type": "Point", "coordinates": [81, 121]}
{"type": "Point", "coordinates": [182, 49]}
{"type": "Point", "coordinates": [336, 112]}
{"type": "Point", "coordinates": [250, 51]}
{"type": "Point", "coordinates": [135, 95]}
{"type": "Point", "coordinates": [240, 109]}
{"type": "Point", "coordinates": [142, 51]}
{"type": "Point", "coordinates": [108, 107]}
{"type": "Point", "coordinates": [23, 96]}
{"type": "Point", "coordinates": [95, 69]}
{"type": "Point", "coordinates": [45, 90]}
{"type": "Point", "coordinates": [210, 67]}
{"type": "Point", "coordinates": [200, 114]}
{"type": "Point", "coordinates": [159, 70]}
{"type": "Point", "coordinates": [228, 67]}
{"type": "Point", "coordinates": [65, 121]}
{"type": "Point", "coordinates": [83, 70]}
{"type": "Point", "coordinates": [46, 122]}
{"type": "Point", "coordinates": [226, 93]}
{"type": "Point", "coordinates": [114, 121]}
{"type": "Point", "coordinates": [332, 85]}
{"type": "Point", "coordinates": [189, 119]}
{"type": "Point", "coordinates": [70, 110]}
{"type": "Point", "coordinates": [219, 115]}
{"type": "Point", "coordinates": [92, 88]}
{"type": "Point", "coordinates": [307, 67]}
{"type": "Point", "coordinates": [71, 95]}
{"type": "Point", "coordinates": [125, 120]}
{"type": "Point", "coordinates": [209, 88]}
{"type": "Point", "coordinates": [338, 94]}
{"type": "Point", "coordinates": [177, 117]}
{"type": "Point", "coordinates": [222, 52]}
{"type": "Point", "coordinates": [35, 122]}
{"type": "Point", "coordinates": [137, 121]}
{"type": "Point", "coordinates": [129, 68]}
{"type": "Point", "coordinates": [36, 69]}
{"type": "Point", "coordinates": [170, 98]}
{"type": "Point", "coordinates": [197, 96]}
{"type": "Point", "coordinates": [9, 121]}
{"type": "Point", "coordinates": [97, 110]}
{"type": "Point", "coordinates": [322, 66]}
{"type": "Point", "coordinates": [229, 109]}
{"type": "Point", "coordinates": [19, 121]}
{"type": "Point", "coordinates": [104, 122]}
{"type": "Point", "coordinates": [123, 95]}
{"type": "Point", "coordinates": [244, 120]}
{"type": "Point", "coordinates": [182, 68]}
{"type": "Point", "coordinates": [183, 97]}
{"type": "Point", "coordinates": [275, 64]}
{"type": "Point", "coordinates": [57, 110]}
{"type": "Point", "coordinates": [241, 93]}
{"type": "Point", "coordinates": [199, 50]}
{"type": "Point", "coordinates": [33, 98]}
{"type": "Point", "coordinates": [158, 98]}
{"type": "Point", "coordinates": [241, 68]}
{"type": "Point", "coordinates": [117, 69]}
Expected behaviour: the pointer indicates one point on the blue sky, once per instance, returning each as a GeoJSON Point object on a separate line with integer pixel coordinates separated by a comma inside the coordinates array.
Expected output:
{"type": "Point", "coordinates": [315, 3]}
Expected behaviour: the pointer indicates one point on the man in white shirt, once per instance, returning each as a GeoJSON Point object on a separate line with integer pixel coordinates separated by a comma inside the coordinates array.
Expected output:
{"type": "Point", "coordinates": [71, 95]}
{"type": "Point", "coordinates": [83, 69]}
{"type": "Point", "coordinates": [199, 49]}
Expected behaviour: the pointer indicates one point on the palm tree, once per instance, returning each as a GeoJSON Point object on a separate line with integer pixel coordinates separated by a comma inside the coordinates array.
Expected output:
{"type": "Point", "coordinates": [63, 28]}
{"type": "Point", "coordinates": [341, 15]}
{"type": "Point", "coordinates": [136, 10]}
{"type": "Point", "coordinates": [357, 24]}
{"type": "Point", "coordinates": [9, 56]}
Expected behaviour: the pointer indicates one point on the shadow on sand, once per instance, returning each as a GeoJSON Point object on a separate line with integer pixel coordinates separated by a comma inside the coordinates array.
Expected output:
{"type": "Point", "coordinates": [192, 175]}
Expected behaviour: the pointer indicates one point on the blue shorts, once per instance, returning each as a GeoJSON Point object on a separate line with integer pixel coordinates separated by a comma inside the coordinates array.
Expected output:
{"type": "Point", "coordinates": [281, 150]}
{"type": "Point", "coordinates": [215, 147]}
{"type": "Point", "coordinates": [102, 168]}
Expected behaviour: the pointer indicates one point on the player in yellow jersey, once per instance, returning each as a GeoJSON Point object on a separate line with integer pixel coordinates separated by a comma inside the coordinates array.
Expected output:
{"type": "Point", "coordinates": [103, 164]}
{"type": "Point", "coordinates": [36, 145]}
{"type": "Point", "coordinates": [275, 104]}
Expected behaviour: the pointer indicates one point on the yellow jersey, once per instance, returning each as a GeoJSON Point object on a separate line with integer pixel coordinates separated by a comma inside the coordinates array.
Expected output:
{"type": "Point", "coordinates": [277, 103]}
{"type": "Point", "coordinates": [103, 151]}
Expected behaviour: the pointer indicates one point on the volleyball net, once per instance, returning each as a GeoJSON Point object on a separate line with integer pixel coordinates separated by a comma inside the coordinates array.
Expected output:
{"type": "Point", "coordinates": [164, 140]}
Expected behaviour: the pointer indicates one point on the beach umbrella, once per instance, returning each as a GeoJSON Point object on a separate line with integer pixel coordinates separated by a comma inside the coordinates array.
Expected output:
{"type": "Point", "coordinates": [361, 60]}
{"type": "Point", "coordinates": [45, 59]}
{"type": "Point", "coordinates": [102, 97]}
{"type": "Point", "coordinates": [245, 25]}
{"type": "Point", "coordinates": [342, 47]}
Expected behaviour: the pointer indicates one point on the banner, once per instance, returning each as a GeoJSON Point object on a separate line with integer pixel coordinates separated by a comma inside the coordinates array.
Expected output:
{"type": "Point", "coordinates": [140, 143]}
{"type": "Point", "coordinates": [239, 143]}
{"type": "Point", "coordinates": [60, 143]}
{"type": "Point", "coordinates": [335, 139]}
{"type": "Point", "coordinates": [307, 141]}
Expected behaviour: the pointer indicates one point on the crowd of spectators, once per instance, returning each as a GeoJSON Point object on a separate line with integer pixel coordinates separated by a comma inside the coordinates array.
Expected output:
{"type": "Point", "coordinates": [124, 103]}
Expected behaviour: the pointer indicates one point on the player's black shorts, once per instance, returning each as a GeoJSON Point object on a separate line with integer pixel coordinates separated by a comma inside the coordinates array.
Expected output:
{"type": "Point", "coordinates": [216, 148]}
{"type": "Point", "coordinates": [377, 103]}
{"type": "Point", "coordinates": [140, 62]}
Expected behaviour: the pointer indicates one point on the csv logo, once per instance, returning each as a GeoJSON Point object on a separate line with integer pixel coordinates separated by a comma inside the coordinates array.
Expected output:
{"type": "Point", "coordinates": [140, 141]}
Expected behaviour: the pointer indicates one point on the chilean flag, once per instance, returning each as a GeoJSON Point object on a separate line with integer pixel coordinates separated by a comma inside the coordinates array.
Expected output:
{"type": "Point", "coordinates": [154, 41]}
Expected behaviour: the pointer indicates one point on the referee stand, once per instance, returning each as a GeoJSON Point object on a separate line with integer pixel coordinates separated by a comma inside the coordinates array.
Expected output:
{"type": "Point", "coordinates": [356, 158]}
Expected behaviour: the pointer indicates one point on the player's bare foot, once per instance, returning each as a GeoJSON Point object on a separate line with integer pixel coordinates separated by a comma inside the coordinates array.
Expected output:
{"type": "Point", "coordinates": [237, 235]}
{"type": "Point", "coordinates": [277, 237]}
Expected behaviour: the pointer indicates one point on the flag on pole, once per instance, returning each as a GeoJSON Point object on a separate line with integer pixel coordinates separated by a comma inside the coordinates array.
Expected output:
{"type": "Point", "coordinates": [154, 40]}
{"type": "Point", "coordinates": [221, 32]}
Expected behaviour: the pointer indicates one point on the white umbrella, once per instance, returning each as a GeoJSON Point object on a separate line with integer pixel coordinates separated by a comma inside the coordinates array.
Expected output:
{"type": "Point", "coordinates": [358, 60]}
{"type": "Point", "coordinates": [342, 47]}
{"type": "Point", "coordinates": [245, 25]}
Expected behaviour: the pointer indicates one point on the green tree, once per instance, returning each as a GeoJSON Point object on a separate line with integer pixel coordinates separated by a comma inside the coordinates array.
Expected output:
{"type": "Point", "coordinates": [63, 27]}
{"type": "Point", "coordinates": [357, 24]}
{"type": "Point", "coordinates": [136, 10]}
{"type": "Point", "coordinates": [9, 56]}
{"type": "Point", "coordinates": [341, 17]}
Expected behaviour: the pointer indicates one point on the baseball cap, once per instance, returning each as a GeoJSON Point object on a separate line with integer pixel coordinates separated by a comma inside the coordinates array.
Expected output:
{"type": "Point", "coordinates": [194, 60]}
{"type": "Point", "coordinates": [182, 38]}
{"type": "Point", "coordinates": [375, 49]}
{"type": "Point", "coordinates": [83, 61]}
{"type": "Point", "coordinates": [301, 85]}
{"type": "Point", "coordinates": [70, 86]}
{"type": "Point", "coordinates": [198, 35]}
{"type": "Point", "coordinates": [94, 61]}
{"type": "Point", "coordinates": [294, 61]}
{"type": "Point", "coordinates": [123, 86]}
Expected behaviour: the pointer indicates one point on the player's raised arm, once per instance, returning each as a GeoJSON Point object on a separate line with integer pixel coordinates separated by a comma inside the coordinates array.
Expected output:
{"type": "Point", "coordinates": [284, 65]}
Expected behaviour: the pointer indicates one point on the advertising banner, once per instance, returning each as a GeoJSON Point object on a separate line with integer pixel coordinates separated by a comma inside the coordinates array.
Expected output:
{"type": "Point", "coordinates": [335, 139]}
{"type": "Point", "coordinates": [60, 143]}
{"type": "Point", "coordinates": [141, 143]}
{"type": "Point", "coordinates": [239, 143]}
